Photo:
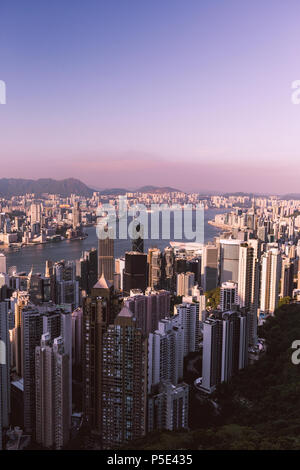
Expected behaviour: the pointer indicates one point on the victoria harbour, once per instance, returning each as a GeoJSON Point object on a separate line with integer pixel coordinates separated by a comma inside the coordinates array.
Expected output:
{"type": "Point", "coordinates": [69, 250]}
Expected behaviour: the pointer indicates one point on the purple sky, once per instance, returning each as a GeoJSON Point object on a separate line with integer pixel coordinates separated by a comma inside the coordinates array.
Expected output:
{"type": "Point", "coordinates": [192, 94]}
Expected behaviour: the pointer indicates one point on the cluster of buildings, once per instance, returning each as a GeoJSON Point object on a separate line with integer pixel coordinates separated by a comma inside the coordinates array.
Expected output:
{"type": "Point", "coordinates": [107, 340]}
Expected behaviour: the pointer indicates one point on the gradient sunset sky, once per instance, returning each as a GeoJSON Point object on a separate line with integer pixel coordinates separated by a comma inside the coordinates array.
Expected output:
{"type": "Point", "coordinates": [121, 93]}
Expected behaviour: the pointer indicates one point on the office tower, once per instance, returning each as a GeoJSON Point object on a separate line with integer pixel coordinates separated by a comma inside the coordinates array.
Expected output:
{"type": "Point", "coordinates": [188, 318]}
{"type": "Point", "coordinates": [228, 295]}
{"type": "Point", "coordinates": [168, 408]}
{"type": "Point", "coordinates": [106, 255]}
{"type": "Point", "coordinates": [52, 393]}
{"type": "Point", "coordinates": [165, 354]}
{"type": "Point", "coordinates": [158, 304]}
{"type": "Point", "coordinates": [248, 283]}
{"type": "Point", "coordinates": [270, 277]}
{"type": "Point", "coordinates": [66, 284]}
{"type": "Point", "coordinates": [119, 270]}
{"type": "Point", "coordinates": [124, 392]}
{"type": "Point", "coordinates": [35, 288]}
{"type": "Point", "coordinates": [135, 273]}
{"type": "Point", "coordinates": [154, 268]}
{"type": "Point", "coordinates": [287, 278]}
{"type": "Point", "coordinates": [87, 270]}
{"type": "Point", "coordinates": [95, 320]}
{"type": "Point", "coordinates": [52, 322]}
{"type": "Point", "coordinates": [32, 330]}
{"type": "Point", "coordinates": [2, 263]}
{"type": "Point", "coordinates": [229, 260]}
{"type": "Point", "coordinates": [138, 241]}
{"type": "Point", "coordinates": [76, 214]}
{"type": "Point", "coordinates": [168, 276]}
{"type": "Point", "coordinates": [4, 369]}
{"type": "Point", "coordinates": [185, 283]}
{"type": "Point", "coordinates": [49, 282]}
{"type": "Point", "coordinates": [35, 213]}
{"type": "Point", "coordinates": [209, 269]}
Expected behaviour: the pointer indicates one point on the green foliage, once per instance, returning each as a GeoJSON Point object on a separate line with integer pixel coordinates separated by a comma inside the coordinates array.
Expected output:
{"type": "Point", "coordinates": [213, 298]}
{"type": "Point", "coordinates": [260, 407]}
{"type": "Point", "coordinates": [284, 301]}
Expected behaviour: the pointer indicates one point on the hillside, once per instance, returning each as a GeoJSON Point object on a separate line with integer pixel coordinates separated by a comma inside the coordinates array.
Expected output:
{"type": "Point", "coordinates": [260, 408]}
{"type": "Point", "coordinates": [18, 186]}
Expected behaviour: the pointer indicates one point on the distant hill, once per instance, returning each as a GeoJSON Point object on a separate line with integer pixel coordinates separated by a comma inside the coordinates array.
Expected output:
{"type": "Point", "coordinates": [18, 186]}
{"type": "Point", "coordinates": [286, 197]}
{"type": "Point", "coordinates": [157, 189]}
{"type": "Point", "coordinates": [143, 189]}
{"type": "Point", "coordinates": [119, 191]}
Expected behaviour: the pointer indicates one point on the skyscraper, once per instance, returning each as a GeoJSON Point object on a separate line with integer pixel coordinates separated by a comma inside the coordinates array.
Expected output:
{"type": "Point", "coordinates": [270, 277]}
{"type": "Point", "coordinates": [138, 241]}
{"type": "Point", "coordinates": [4, 369]}
{"type": "Point", "coordinates": [52, 381]}
{"type": "Point", "coordinates": [154, 268]}
{"type": "Point", "coordinates": [229, 260]}
{"type": "Point", "coordinates": [94, 323]}
{"type": "Point", "coordinates": [106, 255]}
{"type": "Point", "coordinates": [209, 269]}
{"type": "Point", "coordinates": [185, 283]}
{"type": "Point", "coordinates": [248, 283]}
{"type": "Point", "coordinates": [135, 273]}
{"type": "Point", "coordinates": [32, 330]}
{"type": "Point", "coordinates": [2, 263]}
{"type": "Point", "coordinates": [228, 295]}
{"type": "Point", "coordinates": [188, 317]}
{"type": "Point", "coordinates": [124, 392]}
{"type": "Point", "coordinates": [165, 354]}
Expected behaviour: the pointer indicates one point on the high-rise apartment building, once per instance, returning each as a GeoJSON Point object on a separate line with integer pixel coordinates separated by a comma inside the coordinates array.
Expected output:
{"type": "Point", "coordinates": [124, 388]}
{"type": "Point", "coordinates": [225, 347]}
{"type": "Point", "coordinates": [185, 283]}
{"type": "Point", "coordinates": [32, 330]}
{"type": "Point", "coordinates": [165, 354]}
{"type": "Point", "coordinates": [168, 408]}
{"type": "Point", "coordinates": [4, 369]}
{"type": "Point", "coordinates": [52, 385]}
{"type": "Point", "coordinates": [2, 263]}
{"type": "Point", "coordinates": [155, 262]}
{"type": "Point", "coordinates": [188, 317]}
{"type": "Point", "coordinates": [248, 283]}
{"type": "Point", "coordinates": [270, 278]}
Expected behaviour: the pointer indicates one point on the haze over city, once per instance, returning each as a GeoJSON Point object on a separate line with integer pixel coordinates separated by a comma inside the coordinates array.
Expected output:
{"type": "Point", "coordinates": [122, 94]}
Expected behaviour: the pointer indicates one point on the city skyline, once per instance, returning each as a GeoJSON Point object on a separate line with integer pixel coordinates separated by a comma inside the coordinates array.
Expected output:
{"type": "Point", "coordinates": [133, 94]}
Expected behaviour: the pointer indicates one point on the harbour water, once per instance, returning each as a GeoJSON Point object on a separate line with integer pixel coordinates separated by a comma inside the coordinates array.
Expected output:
{"type": "Point", "coordinates": [36, 256]}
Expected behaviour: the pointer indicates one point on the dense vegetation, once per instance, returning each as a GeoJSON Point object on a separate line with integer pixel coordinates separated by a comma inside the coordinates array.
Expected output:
{"type": "Point", "coordinates": [260, 408]}
{"type": "Point", "coordinates": [213, 298]}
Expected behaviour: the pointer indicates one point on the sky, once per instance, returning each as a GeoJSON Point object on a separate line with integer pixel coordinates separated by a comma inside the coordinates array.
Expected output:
{"type": "Point", "coordinates": [194, 94]}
